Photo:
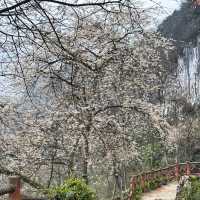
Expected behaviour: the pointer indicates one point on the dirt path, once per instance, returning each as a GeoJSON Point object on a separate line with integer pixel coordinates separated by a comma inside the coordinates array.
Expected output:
{"type": "Point", "coordinates": [167, 192]}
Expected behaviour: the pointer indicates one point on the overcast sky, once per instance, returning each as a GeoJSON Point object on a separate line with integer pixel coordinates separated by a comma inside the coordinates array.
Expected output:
{"type": "Point", "coordinates": [170, 5]}
{"type": "Point", "coordinates": [167, 7]}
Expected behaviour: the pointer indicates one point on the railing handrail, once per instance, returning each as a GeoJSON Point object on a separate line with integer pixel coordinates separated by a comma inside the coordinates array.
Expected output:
{"type": "Point", "coordinates": [154, 170]}
{"type": "Point", "coordinates": [164, 168]}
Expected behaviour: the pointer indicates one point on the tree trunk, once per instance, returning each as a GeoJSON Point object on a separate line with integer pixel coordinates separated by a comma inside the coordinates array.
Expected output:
{"type": "Point", "coordinates": [85, 159]}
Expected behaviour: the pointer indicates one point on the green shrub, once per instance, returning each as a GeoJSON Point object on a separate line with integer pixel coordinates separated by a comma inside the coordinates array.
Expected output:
{"type": "Point", "coordinates": [153, 185]}
{"type": "Point", "coordinates": [138, 193]}
{"type": "Point", "coordinates": [191, 191]}
{"type": "Point", "coordinates": [72, 189]}
{"type": "Point", "coordinates": [164, 180]}
{"type": "Point", "coordinates": [147, 186]}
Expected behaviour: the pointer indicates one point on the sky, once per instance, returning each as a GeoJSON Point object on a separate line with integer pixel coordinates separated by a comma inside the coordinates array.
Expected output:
{"type": "Point", "coordinates": [167, 7]}
{"type": "Point", "coordinates": [170, 5]}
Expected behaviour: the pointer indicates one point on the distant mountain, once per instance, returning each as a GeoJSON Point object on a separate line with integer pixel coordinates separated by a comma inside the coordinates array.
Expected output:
{"type": "Point", "coordinates": [183, 25]}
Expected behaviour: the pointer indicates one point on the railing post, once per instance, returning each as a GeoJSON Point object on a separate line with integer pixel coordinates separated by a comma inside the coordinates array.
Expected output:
{"type": "Point", "coordinates": [133, 185]}
{"type": "Point", "coordinates": [142, 182]}
{"type": "Point", "coordinates": [177, 171]}
{"type": "Point", "coordinates": [188, 168]}
{"type": "Point", "coordinates": [14, 181]}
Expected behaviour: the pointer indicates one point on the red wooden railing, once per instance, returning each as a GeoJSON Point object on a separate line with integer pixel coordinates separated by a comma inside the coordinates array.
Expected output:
{"type": "Point", "coordinates": [14, 190]}
{"type": "Point", "coordinates": [172, 172]}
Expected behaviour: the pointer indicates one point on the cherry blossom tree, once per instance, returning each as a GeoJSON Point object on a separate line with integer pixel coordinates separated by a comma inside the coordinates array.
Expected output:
{"type": "Point", "coordinates": [89, 74]}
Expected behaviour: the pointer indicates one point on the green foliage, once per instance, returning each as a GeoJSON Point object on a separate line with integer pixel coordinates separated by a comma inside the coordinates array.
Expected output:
{"type": "Point", "coordinates": [157, 182]}
{"type": "Point", "coordinates": [73, 189]}
{"type": "Point", "coordinates": [138, 193]}
{"type": "Point", "coordinates": [191, 190]}
{"type": "Point", "coordinates": [153, 152]}
{"type": "Point", "coordinates": [153, 185]}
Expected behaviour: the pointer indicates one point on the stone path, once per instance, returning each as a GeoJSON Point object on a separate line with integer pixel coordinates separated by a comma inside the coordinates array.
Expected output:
{"type": "Point", "coordinates": [167, 192]}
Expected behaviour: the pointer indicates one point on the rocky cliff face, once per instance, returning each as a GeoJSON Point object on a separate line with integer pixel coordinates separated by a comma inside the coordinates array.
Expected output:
{"type": "Point", "coordinates": [188, 74]}
{"type": "Point", "coordinates": [183, 86]}
{"type": "Point", "coordinates": [181, 105]}
{"type": "Point", "coordinates": [182, 89]}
